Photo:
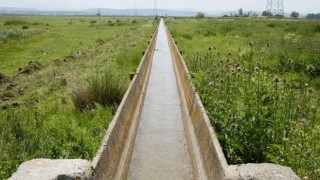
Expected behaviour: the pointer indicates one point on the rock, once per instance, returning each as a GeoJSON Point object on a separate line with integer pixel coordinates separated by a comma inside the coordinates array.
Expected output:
{"type": "Point", "coordinates": [46, 169]}
{"type": "Point", "coordinates": [263, 171]}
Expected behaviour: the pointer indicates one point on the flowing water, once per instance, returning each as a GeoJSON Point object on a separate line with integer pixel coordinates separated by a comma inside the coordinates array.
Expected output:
{"type": "Point", "coordinates": [160, 150]}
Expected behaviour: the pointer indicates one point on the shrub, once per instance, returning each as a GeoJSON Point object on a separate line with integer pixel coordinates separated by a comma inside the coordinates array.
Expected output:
{"type": "Point", "coordinates": [317, 29]}
{"type": "Point", "coordinates": [200, 15]}
{"type": "Point", "coordinates": [100, 41]}
{"type": "Point", "coordinates": [110, 23]}
{"type": "Point", "coordinates": [93, 21]}
{"type": "Point", "coordinates": [106, 90]}
{"type": "Point", "coordinates": [186, 36]}
{"type": "Point", "coordinates": [25, 27]}
{"type": "Point", "coordinates": [15, 22]}
{"type": "Point", "coordinates": [271, 25]}
{"type": "Point", "coordinates": [11, 35]}
{"type": "Point", "coordinates": [134, 21]}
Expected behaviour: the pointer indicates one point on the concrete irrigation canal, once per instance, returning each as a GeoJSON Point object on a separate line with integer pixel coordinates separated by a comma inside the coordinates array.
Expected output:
{"type": "Point", "coordinates": [160, 131]}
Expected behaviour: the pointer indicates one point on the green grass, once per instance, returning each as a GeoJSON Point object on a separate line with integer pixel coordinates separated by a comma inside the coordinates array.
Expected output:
{"type": "Point", "coordinates": [50, 38]}
{"type": "Point", "coordinates": [259, 81]}
{"type": "Point", "coordinates": [37, 116]}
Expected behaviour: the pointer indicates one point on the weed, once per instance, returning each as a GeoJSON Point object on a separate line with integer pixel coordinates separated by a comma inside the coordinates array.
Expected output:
{"type": "Point", "coordinates": [110, 23]}
{"type": "Point", "coordinates": [24, 27]}
{"type": "Point", "coordinates": [262, 98]}
{"type": "Point", "coordinates": [317, 28]}
{"type": "Point", "coordinates": [99, 40]}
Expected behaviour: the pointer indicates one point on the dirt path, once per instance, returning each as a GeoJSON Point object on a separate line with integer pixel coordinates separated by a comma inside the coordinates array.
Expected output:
{"type": "Point", "coordinates": [160, 150]}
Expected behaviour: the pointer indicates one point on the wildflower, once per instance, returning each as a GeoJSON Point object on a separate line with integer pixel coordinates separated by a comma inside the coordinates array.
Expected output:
{"type": "Point", "coordinates": [309, 152]}
{"type": "Point", "coordinates": [256, 68]}
{"type": "Point", "coordinates": [303, 121]}
{"type": "Point", "coordinates": [258, 64]}
{"type": "Point", "coordinates": [239, 69]}
{"type": "Point", "coordinates": [211, 83]}
{"type": "Point", "coordinates": [276, 79]}
{"type": "Point", "coordinates": [310, 68]}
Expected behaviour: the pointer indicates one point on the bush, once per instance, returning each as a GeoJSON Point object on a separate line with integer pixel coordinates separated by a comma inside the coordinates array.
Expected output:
{"type": "Point", "coordinates": [317, 28]}
{"type": "Point", "coordinates": [100, 41]}
{"type": "Point", "coordinates": [134, 22]}
{"type": "Point", "coordinates": [200, 15]}
{"type": "Point", "coordinates": [25, 27]}
{"type": "Point", "coordinates": [11, 35]}
{"type": "Point", "coordinates": [110, 23]}
{"type": "Point", "coordinates": [106, 90]}
{"type": "Point", "coordinates": [15, 22]}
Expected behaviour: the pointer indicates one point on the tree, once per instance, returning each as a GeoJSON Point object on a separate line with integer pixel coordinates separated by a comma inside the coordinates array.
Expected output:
{"type": "Point", "coordinates": [99, 14]}
{"type": "Point", "coordinates": [200, 15]}
{"type": "Point", "coordinates": [313, 15]}
{"type": "Point", "coordinates": [294, 14]}
{"type": "Point", "coordinates": [266, 13]}
{"type": "Point", "coordinates": [240, 12]}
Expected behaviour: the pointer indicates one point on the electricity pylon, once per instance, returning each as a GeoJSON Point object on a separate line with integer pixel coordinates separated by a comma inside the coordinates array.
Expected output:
{"type": "Point", "coordinates": [275, 7]}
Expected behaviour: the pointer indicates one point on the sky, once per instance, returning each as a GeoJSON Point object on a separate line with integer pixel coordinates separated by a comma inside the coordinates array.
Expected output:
{"type": "Point", "coordinates": [303, 6]}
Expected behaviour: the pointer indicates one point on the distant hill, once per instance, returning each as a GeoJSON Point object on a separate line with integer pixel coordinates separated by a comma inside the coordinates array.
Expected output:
{"type": "Point", "coordinates": [123, 12]}
{"type": "Point", "coordinates": [103, 12]}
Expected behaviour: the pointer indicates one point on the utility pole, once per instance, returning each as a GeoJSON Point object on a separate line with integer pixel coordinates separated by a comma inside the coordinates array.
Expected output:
{"type": "Point", "coordinates": [135, 10]}
{"type": "Point", "coordinates": [155, 8]}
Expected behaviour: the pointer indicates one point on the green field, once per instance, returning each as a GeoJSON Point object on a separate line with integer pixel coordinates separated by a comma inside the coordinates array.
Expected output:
{"type": "Point", "coordinates": [46, 64]}
{"type": "Point", "coordinates": [259, 82]}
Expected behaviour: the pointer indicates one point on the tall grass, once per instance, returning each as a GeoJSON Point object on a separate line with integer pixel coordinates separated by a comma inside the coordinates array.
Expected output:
{"type": "Point", "coordinates": [105, 90]}
{"type": "Point", "coordinates": [12, 35]}
{"type": "Point", "coordinates": [15, 22]}
{"type": "Point", "coordinates": [52, 132]}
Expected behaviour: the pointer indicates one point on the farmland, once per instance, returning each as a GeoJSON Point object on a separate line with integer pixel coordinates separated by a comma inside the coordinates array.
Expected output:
{"type": "Point", "coordinates": [259, 82]}
{"type": "Point", "coordinates": [48, 68]}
